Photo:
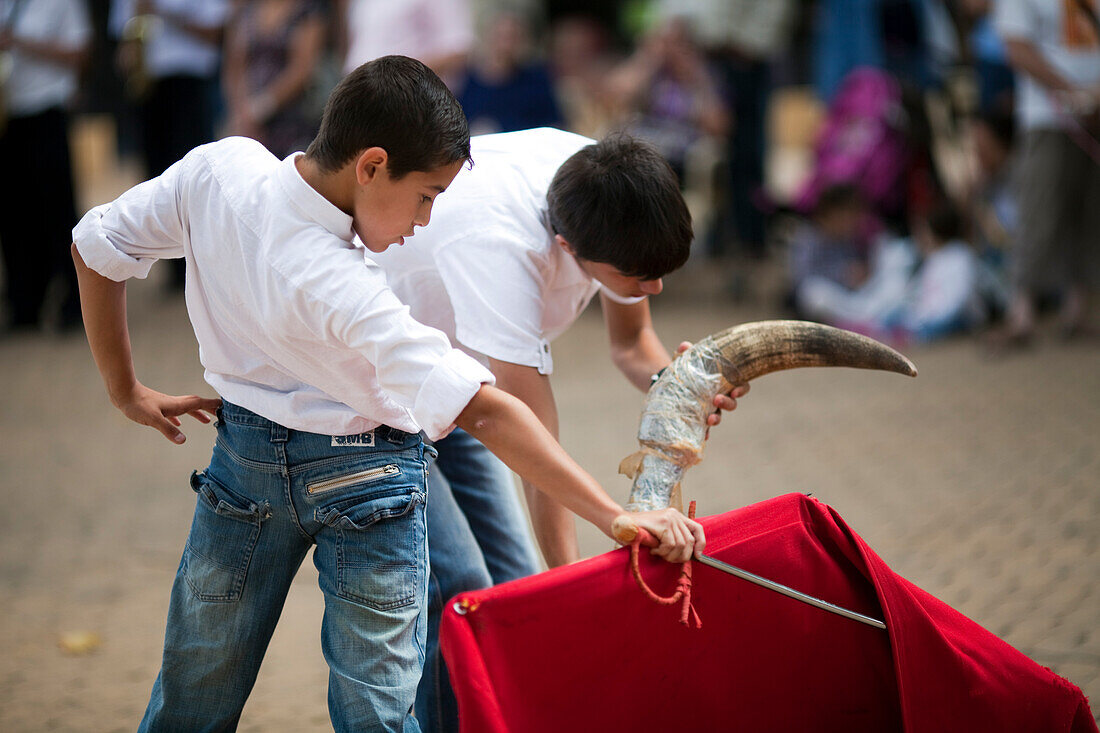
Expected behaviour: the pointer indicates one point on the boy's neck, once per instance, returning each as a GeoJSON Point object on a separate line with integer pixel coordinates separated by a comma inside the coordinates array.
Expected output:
{"type": "Point", "coordinates": [337, 188]}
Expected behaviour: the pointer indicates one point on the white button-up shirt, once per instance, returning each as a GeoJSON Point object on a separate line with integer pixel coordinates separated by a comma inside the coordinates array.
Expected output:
{"type": "Point", "coordinates": [487, 271]}
{"type": "Point", "coordinates": [291, 322]}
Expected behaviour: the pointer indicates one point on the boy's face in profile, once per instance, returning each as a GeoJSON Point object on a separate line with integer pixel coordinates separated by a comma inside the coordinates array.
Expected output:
{"type": "Point", "coordinates": [385, 210]}
{"type": "Point", "coordinates": [611, 277]}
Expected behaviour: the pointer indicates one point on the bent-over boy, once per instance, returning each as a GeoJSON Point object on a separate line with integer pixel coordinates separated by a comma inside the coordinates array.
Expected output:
{"type": "Point", "coordinates": [524, 239]}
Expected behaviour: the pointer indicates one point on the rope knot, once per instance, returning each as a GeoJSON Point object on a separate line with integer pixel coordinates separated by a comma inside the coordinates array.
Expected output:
{"type": "Point", "coordinates": [683, 585]}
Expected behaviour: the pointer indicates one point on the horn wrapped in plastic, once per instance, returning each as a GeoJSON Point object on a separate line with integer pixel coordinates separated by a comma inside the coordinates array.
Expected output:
{"type": "Point", "coordinates": [674, 417]}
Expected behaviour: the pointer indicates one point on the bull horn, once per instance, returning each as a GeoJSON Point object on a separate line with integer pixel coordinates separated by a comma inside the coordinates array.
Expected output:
{"type": "Point", "coordinates": [673, 425]}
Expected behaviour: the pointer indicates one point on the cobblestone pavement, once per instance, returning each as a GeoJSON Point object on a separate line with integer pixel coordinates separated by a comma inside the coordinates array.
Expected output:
{"type": "Point", "coordinates": [978, 481]}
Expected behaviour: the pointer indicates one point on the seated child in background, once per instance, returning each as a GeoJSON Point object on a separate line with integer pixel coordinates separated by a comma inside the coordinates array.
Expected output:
{"type": "Point", "coordinates": [829, 246]}
{"type": "Point", "coordinates": [944, 296]}
{"type": "Point", "coordinates": [920, 289]}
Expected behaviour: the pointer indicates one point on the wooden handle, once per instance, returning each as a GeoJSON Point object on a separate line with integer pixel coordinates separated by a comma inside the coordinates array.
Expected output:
{"type": "Point", "coordinates": [626, 531]}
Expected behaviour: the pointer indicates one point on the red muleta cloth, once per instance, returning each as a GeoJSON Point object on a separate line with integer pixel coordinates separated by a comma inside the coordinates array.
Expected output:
{"type": "Point", "coordinates": [580, 648]}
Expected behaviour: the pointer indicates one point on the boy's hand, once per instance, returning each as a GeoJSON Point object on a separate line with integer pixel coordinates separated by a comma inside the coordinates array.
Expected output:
{"type": "Point", "coordinates": [149, 407]}
{"type": "Point", "coordinates": [722, 401]}
{"type": "Point", "coordinates": [679, 536]}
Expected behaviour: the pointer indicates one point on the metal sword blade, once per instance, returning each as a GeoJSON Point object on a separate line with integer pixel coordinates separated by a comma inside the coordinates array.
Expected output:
{"type": "Point", "coordinates": [789, 592]}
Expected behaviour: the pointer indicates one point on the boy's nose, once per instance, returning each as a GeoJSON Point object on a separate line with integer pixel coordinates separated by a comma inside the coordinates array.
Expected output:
{"type": "Point", "coordinates": [651, 287]}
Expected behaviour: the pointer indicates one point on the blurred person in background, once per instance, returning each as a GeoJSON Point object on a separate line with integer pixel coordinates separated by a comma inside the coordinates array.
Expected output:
{"type": "Point", "coordinates": [741, 37]}
{"type": "Point", "coordinates": [829, 246]}
{"type": "Point", "coordinates": [667, 95]}
{"type": "Point", "coordinates": [170, 54]}
{"type": "Point", "coordinates": [996, 81]}
{"type": "Point", "coordinates": [438, 33]}
{"type": "Point", "coordinates": [920, 288]}
{"type": "Point", "coordinates": [580, 59]}
{"type": "Point", "coordinates": [944, 295]}
{"type": "Point", "coordinates": [505, 88]}
{"type": "Point", "coordinates": [991, 199]}
{"type": "Point", "coordinates": [272, 53]}
{"type": "Point", "coordinates": [43, 45]}
{"type": "Point", "coordinates": [1054, 46]}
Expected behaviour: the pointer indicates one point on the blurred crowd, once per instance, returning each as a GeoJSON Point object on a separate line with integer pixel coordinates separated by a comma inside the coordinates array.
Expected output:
{"type": "Point", "coordinates": [952, 180]}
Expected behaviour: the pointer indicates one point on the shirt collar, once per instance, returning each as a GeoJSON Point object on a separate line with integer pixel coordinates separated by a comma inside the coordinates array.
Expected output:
{"type": "Point", "coordinates": [310, 202]}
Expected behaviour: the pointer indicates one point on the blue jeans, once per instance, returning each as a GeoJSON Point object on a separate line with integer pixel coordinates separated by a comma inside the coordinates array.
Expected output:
{"type": "Point", "coordinates": [268, 496]}
{"type": "Point", "coordinates": [477, 537]}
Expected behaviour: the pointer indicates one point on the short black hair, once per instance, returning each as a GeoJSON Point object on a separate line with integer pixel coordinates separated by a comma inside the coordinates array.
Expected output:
{"type": "Point", "coordinates": [398, 104]}
{"type": "Point", "coordinates": [838, 196]}
{"type": "Point", "coordinates": [618, 202]}
{"type": "Point", "coordinates": [945, 221]}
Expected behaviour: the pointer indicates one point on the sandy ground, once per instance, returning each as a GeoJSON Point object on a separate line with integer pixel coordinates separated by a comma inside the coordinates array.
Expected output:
{"type": "Point", "coordinates": [979, 481]}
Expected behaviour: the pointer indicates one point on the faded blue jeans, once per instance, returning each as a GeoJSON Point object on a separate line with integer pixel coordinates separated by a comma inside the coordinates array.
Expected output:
{"type": "Point", "coordinates": [477, 537]}
{"type": "Point", "coordinates": [268, 496]}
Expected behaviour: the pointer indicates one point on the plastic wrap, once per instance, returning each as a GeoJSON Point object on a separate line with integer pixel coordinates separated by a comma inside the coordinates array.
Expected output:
{"type": "Point", "coordinates": [674, 424]}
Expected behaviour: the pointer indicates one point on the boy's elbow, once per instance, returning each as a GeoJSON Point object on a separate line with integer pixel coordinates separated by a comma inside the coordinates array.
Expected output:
{"type": "Point", "coordinates": [477, 414]}
{"type": "Point", "coordinates": [78, 261]}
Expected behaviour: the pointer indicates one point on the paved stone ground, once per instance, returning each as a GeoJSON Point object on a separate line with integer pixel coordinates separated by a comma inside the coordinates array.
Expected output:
{"type": "Point", "coordinates": [978, 481]}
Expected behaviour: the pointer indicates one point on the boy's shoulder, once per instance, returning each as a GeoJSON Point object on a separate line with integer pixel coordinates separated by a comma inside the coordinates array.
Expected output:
{"type": "Point", "coordinates": [538, 142]}
{"type": "Point", "coordinates": [243, 154]}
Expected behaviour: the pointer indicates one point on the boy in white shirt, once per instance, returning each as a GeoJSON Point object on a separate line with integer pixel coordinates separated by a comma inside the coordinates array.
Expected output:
{"type": "Point", "coordinates": [523, 240]}
{"type": "Point", "coordinates": [326, 382]}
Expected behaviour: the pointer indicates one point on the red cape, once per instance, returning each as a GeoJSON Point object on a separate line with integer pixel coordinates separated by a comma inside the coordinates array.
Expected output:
{"type": "Point", "coordinates": [580, 648]}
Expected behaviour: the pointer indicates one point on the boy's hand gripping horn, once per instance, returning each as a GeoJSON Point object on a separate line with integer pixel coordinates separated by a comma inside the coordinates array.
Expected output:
{"type": "Point", "coordinates": [674, 415]}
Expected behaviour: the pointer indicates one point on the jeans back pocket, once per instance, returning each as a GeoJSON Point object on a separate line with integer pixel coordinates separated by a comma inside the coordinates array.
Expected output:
{"type": "Point", "coordinates": [380, 547]}
{"type": "Point", "coordinates": [223, 535]}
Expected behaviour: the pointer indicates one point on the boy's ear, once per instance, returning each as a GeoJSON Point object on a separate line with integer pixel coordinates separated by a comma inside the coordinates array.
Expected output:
{"type": "Point", "coordinates": [369, 163]}
{"type": "Point", "coordinates": [560, 241]}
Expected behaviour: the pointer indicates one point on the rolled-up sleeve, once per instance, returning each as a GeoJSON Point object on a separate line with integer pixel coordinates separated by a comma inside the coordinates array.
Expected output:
{"type": "Point", "coordinates": [123, 239]}
{"type": "Point", "coordinates": [450, 386]}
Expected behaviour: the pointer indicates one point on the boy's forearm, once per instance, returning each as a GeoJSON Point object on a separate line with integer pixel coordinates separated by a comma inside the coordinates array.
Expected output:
{"type": "Point", "coordinates": [510, 430]}
{"type": "Point", "coordinates": [103, 306]}
{"type": "Point", "coordinates": [635, 348]}
{"type": "Point", "coordinates": [640, 360]}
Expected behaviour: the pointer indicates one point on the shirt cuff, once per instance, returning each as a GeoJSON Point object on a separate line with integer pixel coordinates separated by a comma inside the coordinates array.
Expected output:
{"type": "Point", "coordinates": [100, 255]}
{"type": "Point", "coordinates": [450, 386]}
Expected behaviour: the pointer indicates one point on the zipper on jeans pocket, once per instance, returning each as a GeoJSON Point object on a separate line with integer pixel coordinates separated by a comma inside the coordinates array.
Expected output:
{"type": "Point", "coordinates": [371, 474]}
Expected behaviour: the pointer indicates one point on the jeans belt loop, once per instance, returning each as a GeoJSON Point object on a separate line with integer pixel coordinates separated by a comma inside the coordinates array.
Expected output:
{"type": "Point", "coordinates": [278, 433]}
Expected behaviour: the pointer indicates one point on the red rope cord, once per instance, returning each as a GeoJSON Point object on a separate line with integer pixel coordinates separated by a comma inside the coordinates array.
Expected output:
{"type": "Point", "coordinates": [683, 585]}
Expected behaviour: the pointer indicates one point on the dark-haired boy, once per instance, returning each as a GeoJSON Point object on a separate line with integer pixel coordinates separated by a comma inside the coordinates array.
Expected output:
{"type": "Point", "coordinates": [327, 382]}
{"type": "Point", "coordinates": [523, 240]}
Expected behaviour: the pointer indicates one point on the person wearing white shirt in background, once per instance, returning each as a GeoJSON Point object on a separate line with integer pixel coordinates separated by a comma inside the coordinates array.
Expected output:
{"type": "Point", "coordinates": [43, 44]}
{"type": "Point", "coordinates": [524, 239]}
{"type": "Point", "coordinates": [172, 75]}
{"type": "Point", "coordinates": [1054, 47]}
{"type": "Point", "coordinates": [326, 383]}
{"type": "Point", "coordinates": [438, 32]}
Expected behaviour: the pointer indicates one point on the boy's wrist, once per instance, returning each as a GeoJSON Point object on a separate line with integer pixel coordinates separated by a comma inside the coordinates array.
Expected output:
{"type": "Point", "coordinates": [121, 392]}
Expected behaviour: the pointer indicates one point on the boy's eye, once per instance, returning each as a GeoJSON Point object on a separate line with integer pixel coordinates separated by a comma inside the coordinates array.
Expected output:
{"type": "Point", "coordinates": [425, 199]}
